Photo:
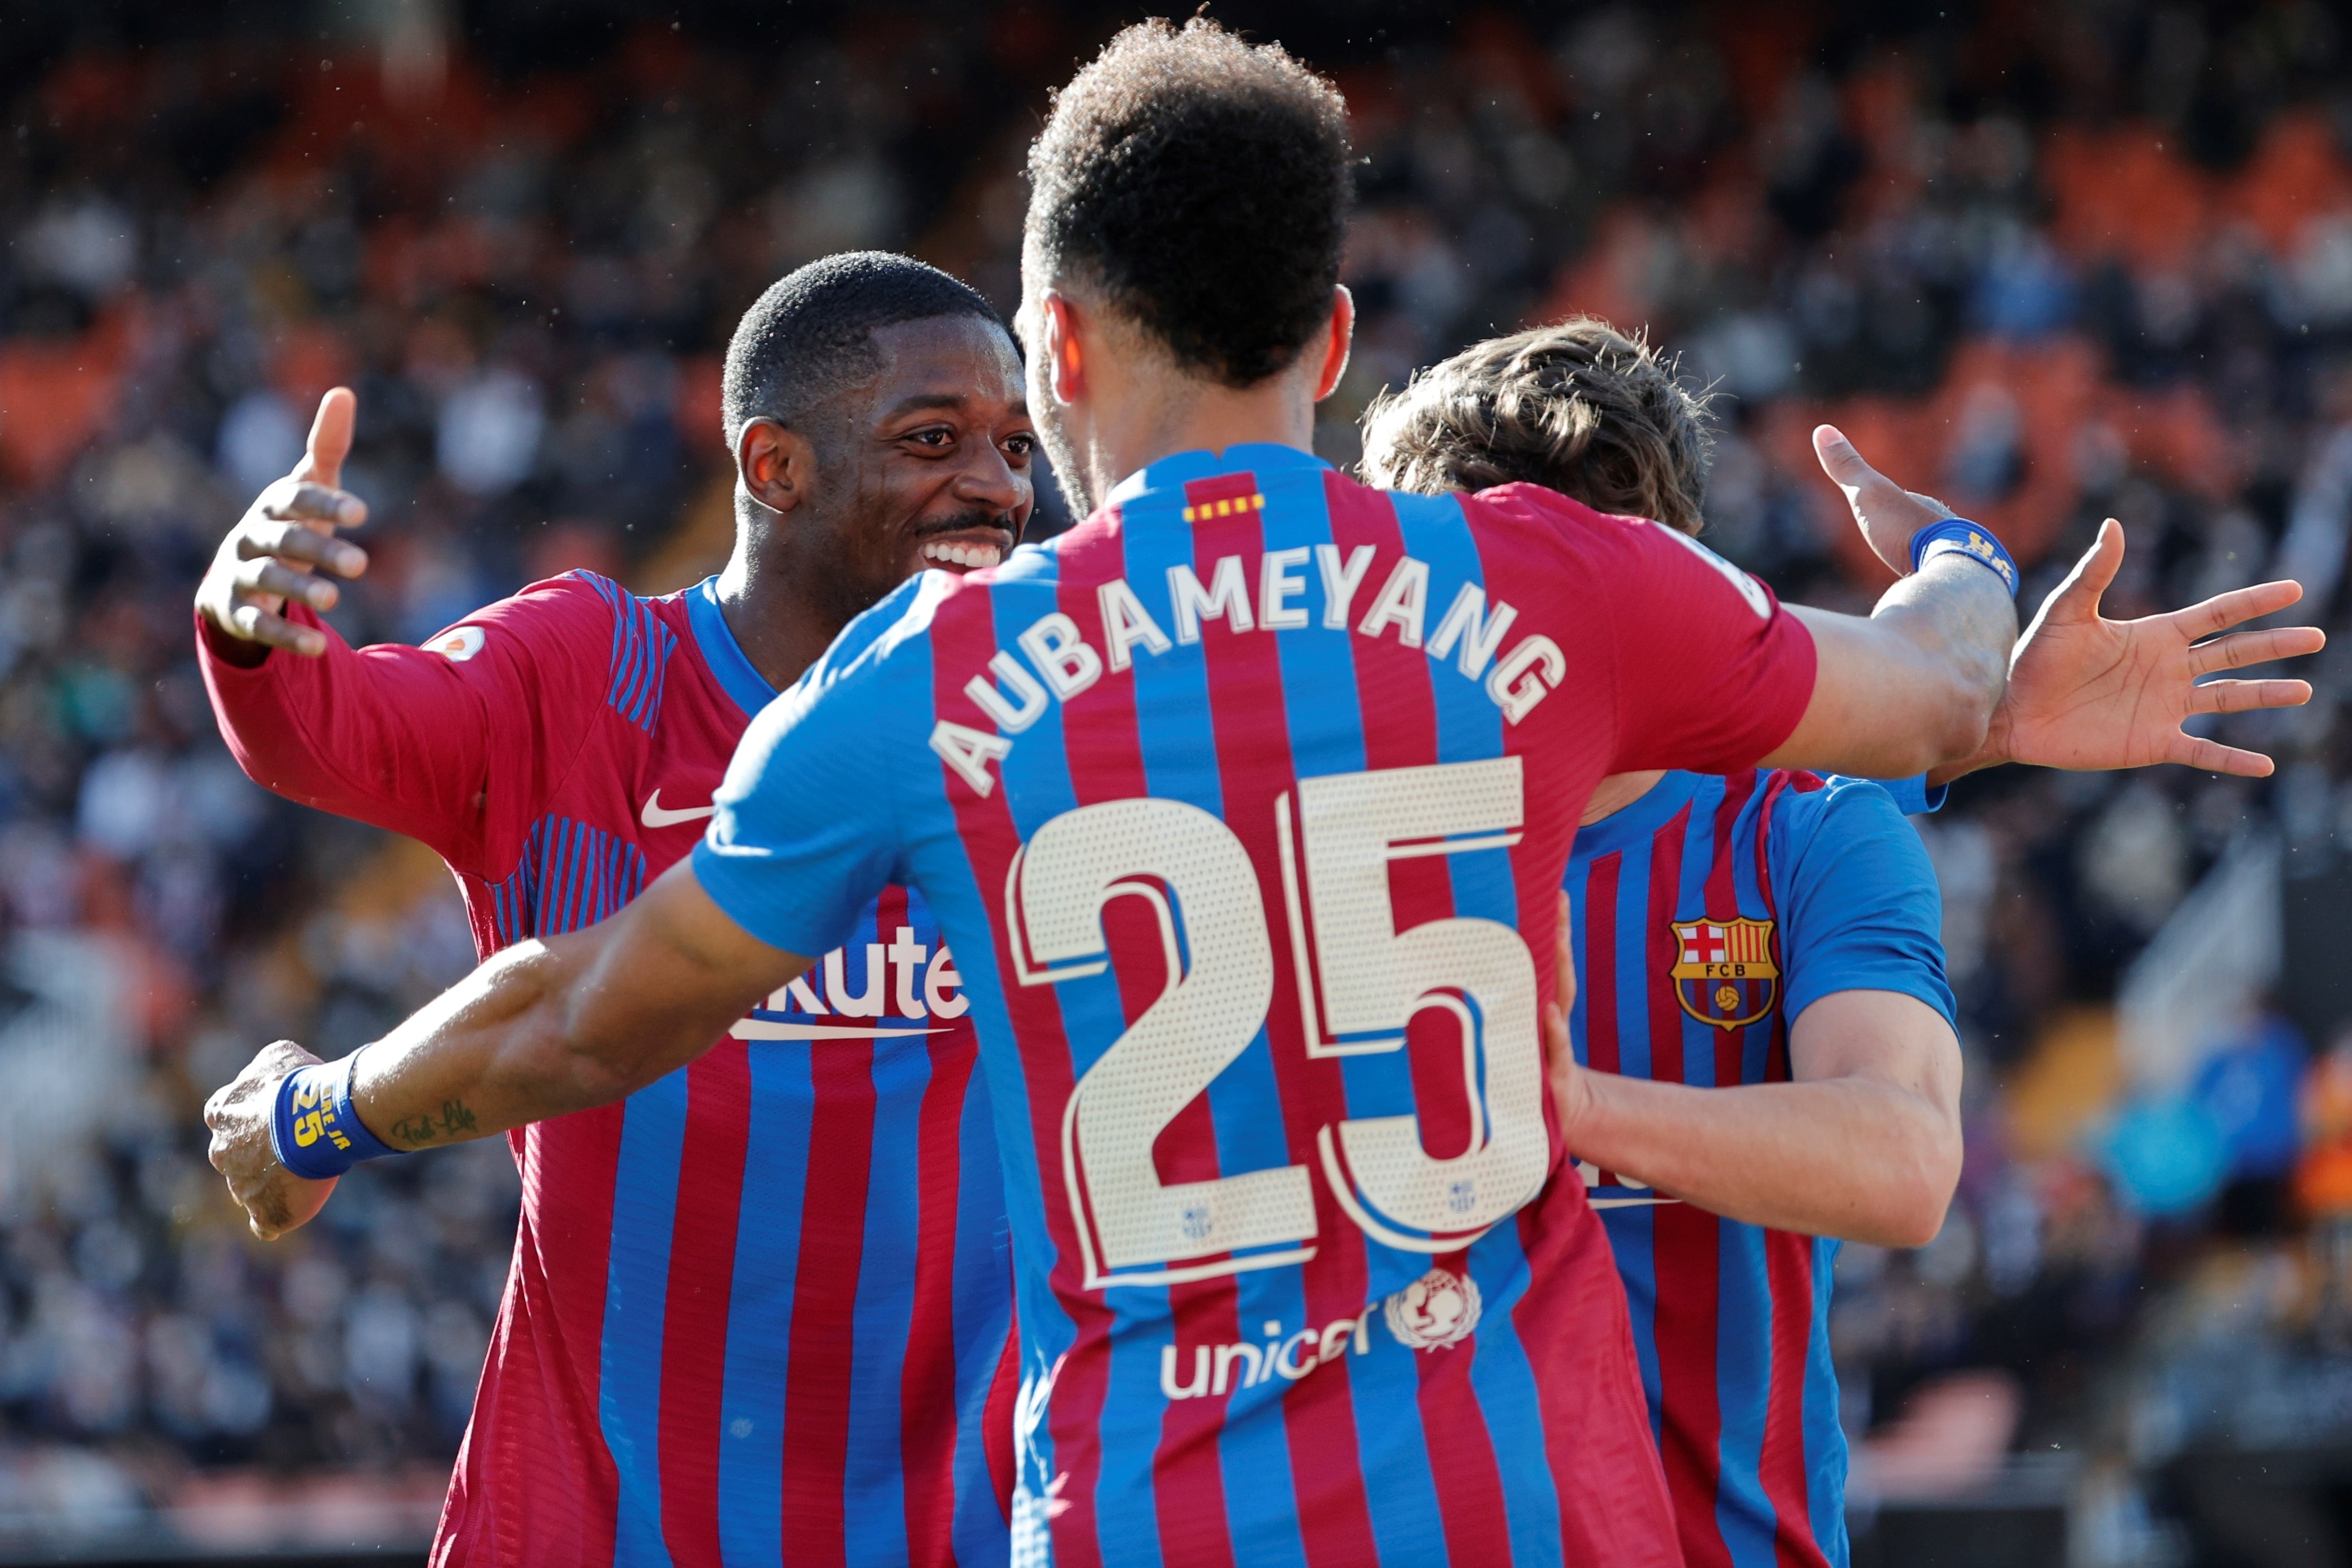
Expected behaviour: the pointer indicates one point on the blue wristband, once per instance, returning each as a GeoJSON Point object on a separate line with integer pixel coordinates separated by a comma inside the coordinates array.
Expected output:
{"type": "Point", "coordinates": [314, 1130]}
{"type": "Point", "coordinates": [1957, 536]}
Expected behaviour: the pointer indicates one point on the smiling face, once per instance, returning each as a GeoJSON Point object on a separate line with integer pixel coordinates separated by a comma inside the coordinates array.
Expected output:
{"type": "Point", "coordinates": [926, 466]}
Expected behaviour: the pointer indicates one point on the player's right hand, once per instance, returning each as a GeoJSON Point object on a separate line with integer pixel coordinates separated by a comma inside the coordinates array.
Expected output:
{"type": "Point", "coordinates": [274, 1198]}
{"type": "Point", "coordinates": [284, 540]}
{"type": "Point", "coordinates": [1571, 1083]}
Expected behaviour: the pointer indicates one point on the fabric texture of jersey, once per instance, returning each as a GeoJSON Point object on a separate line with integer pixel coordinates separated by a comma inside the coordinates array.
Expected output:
{"type": "Point", "coordinates": [1233, 803]}
{"type": "Point", "coordinates": [758, 1310]}
{"type": "Point", "coordinates": [1707, 915]}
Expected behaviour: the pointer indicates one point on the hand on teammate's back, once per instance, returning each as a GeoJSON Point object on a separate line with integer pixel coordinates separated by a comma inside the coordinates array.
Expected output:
{"type": "Point", "coordinates": [1570, 1081]}
{"type": "Point", "coordinates": [2088, 693]}
{"type": "Point", "coordinates": [238, 1113]}
{"type": "Point", "coordinates": [284, 540]}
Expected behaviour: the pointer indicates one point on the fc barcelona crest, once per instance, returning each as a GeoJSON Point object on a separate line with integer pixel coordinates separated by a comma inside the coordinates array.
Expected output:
{"type": "Point", "coordinates": [1724, 972]}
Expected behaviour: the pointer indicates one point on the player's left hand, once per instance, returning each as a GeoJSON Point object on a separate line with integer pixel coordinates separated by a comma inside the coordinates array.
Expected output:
{"type": "Point", "coordinates": [1571, 1082]}
{"type": "Point", "coordinates": [275, 1199]}
{"type": "Point", "coordinates": [2088, 693]}
{"type": "Point", "coordinates": [1887, 514]}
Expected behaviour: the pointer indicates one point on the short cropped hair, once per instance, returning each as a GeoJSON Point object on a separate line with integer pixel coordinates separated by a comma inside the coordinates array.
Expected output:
{"type": "Point", "coordinates": [1203, 184]}
{"type": "Point", "coordinates": [1579, 408]}
{"type": "Point", "coordinates": [811, 336]}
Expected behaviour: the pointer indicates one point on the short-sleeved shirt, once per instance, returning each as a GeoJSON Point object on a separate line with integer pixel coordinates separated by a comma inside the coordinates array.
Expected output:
{"type": "Point", "coordinates": [758, 1310]}
{"type": "Point", "coordinates": [1242, 805]}
{"type": "Point", "coordinates": [1707, 915]}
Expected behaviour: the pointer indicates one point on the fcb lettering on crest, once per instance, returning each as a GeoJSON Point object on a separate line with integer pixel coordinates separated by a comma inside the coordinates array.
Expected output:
{"type": "Point", "coordinates": [1724, 972]}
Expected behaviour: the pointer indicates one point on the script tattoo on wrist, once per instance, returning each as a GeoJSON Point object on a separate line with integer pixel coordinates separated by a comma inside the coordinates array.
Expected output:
{"type": "Point", "coordinates": [418, 1131]}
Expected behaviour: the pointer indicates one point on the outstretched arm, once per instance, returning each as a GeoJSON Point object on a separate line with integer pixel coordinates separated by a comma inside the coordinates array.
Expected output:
{"type": "Point", "coordinates": [455, 743]}
{"type": "Point", "coordinates": [543, 1029]}
{"type": "Point", "coordinates": [2088, 693]}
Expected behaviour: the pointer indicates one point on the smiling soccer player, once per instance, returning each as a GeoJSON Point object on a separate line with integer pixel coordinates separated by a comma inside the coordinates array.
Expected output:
{"type": "Point", "coordinates": [1218, 799]}
{"type": "Point", "coordinates": [764, 1299]}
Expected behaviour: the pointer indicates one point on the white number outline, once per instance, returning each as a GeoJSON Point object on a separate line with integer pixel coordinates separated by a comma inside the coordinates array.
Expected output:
{"type": "Point", "coordinates": [1075, 956]}
{"type": "Point", "coordinates": [1267, 1215]}
{"type": "Point", "coordinates": [1492, 783]}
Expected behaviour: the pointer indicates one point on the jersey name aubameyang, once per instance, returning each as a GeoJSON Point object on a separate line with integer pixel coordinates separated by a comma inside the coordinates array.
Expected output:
{"type": "Point", "coordinates": [1470, 634]}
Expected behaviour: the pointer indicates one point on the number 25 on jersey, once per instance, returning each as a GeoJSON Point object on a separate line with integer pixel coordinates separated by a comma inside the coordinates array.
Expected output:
{"type": "Point", "coordinates": [1361, 984]}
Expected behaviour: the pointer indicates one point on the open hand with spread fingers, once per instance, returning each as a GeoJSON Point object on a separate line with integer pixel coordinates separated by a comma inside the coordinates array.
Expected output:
{"type": "Point", "coordinates": [2086, 692]}
{"type": "Point", "coordinates": [286, 538]}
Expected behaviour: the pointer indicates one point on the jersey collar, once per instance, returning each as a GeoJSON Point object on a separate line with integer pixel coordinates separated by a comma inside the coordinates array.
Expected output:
{"type": "Point", "coordinates": [1243, 456]}
{"type": "Point", "coordinates": [1634, 823]}
{"type": "Point", "coordinates": [721, 654]}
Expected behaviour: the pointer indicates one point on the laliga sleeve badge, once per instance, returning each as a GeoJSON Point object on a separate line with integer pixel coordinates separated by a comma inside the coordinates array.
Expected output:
{"type": "Point", "coordinates": [1436, 1311]}
{"type": "Point", "coordinates": [458, 643]}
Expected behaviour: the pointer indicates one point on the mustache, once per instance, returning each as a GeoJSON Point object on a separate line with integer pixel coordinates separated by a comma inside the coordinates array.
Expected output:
{"type": "Point", "coordinates": [974, 517]}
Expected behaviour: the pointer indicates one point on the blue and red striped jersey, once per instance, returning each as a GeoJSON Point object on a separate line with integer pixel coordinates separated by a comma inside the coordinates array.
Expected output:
{"type": "Point", "coordinates": [1705, 917]}
{"type": "Point", "coordinates": [1241, 805]}
{"type": "Point", "coordinates": [758, 1310]}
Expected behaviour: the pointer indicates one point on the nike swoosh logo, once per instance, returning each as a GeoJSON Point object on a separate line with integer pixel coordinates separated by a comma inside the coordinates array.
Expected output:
{"type": "Point", "coordinates": [657, 815]}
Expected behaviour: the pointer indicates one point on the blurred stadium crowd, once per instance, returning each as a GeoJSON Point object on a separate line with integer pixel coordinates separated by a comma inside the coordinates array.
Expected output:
{"type": "Point", "coordinates": [2051, 262]}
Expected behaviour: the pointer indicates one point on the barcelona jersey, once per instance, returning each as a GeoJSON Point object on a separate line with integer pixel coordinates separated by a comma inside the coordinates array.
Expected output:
{"type": "Point", "coordinates": [1242, 805]}
{"type": "Point", "coordinates": [757, 1311]}
{"type": "Point", "coordinates": [1707, 915]}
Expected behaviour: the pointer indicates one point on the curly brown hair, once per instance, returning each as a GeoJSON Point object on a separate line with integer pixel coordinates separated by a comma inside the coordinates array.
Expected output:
{"type": "Point", "coordinates": [1578, 407]}
{"type": "Point", "coordinates": [1203, 184]}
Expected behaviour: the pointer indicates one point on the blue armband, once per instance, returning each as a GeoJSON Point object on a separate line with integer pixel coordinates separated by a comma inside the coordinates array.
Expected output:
{"type": "Point", "coordinates": [1957, 536]}
{"type": "Point", "coordinates": [314, 1130]}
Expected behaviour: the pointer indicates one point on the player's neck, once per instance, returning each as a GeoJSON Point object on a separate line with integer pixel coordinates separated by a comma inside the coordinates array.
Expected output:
{"type": "Point", "coordinates": [1149, 417]}
{"type": "Point", "coordinates": [1616, 792]}
{"type": "Point", "coordinates": [781, 623]}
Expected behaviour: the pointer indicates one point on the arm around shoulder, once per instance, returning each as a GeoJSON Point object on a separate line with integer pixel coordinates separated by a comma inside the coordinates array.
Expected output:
{"type": "Point", "coordinates": [1913, 686]}
{"type": "Point", "coordinates": [550, 1027]}
{"type": "Point", "coordinates": [540, 1029]}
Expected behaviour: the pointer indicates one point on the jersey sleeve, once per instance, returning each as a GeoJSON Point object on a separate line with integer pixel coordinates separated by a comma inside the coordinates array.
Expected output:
{"type": "Point", "coordinates": [457, 744]}
{"type": "Point", "coordinates": [1860, 910]}
{"type": "Point", "coordinates": [1915, 797]}
{"type": "Point", "coordinates": [807, 827]}
{"type": "Point", "coordinates": [1712, 672]}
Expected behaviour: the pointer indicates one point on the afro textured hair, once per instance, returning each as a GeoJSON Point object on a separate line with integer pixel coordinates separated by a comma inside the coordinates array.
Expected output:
{"type": "Point", "coordinates": [1203, 184]}
{"type": "Point", "coordinates": [811, 336]}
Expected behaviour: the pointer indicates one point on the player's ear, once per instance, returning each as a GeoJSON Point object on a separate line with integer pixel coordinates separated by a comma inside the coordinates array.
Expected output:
{"type": "Point", "coordinates": [1057, 340]}
{"type": "Point", "coordinates": [778, 465]}
{"type": "Point", "coordinates": [1337, 348]}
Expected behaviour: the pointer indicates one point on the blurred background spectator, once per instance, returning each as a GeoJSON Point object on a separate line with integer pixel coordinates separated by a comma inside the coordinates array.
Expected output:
{"type": "Point", "coordinates": [2053, 262]}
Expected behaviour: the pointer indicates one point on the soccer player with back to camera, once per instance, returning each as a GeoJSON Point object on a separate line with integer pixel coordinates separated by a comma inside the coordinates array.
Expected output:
{"type": "Point", "coordinates": [1774, 935]}
{"type": "Point", "coordinates": [1219, 799]}
{"type": "Point", "coordinates": [757, 1308]}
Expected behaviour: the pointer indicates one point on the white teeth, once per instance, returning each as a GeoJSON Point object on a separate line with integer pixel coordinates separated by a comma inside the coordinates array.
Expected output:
{"type": "Point", "coordinates": [970, 557]}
